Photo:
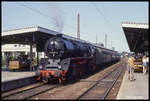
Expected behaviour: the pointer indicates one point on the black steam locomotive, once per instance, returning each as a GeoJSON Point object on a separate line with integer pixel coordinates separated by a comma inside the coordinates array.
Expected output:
{"type": "Point", "coordinates": [69, 57]}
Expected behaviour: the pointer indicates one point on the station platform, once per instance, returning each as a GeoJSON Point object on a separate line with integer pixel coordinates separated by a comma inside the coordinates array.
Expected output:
{"type": "Point", "coordinates": [137, 89]}
{"type": "Point", "coordinates": [9, 76]}
{"type": "Point", "coordinates": [11, 80]}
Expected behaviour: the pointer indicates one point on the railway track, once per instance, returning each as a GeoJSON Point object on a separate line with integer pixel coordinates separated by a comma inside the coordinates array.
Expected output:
{"type": "Point", "coordinates": [98, 90]}
{"type": "Point", "coordinates": [101, 88]}
{"type": "Point", "coordinates": [28, 93]}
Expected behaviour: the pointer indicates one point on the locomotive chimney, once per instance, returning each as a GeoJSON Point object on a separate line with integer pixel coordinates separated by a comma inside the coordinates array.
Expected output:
{"type": "Point", "coordinates": [78, 26]}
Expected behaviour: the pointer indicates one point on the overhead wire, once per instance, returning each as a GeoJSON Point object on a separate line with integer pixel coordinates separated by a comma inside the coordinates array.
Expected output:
{"type": "Point", "coordinates": [101, 13]}
{"type": "Point", "coordinates": [108, 15]}
{"type": "Point", "coordinates": [113, 27]}
{"type": "Point", "coordinates": [37, 11]}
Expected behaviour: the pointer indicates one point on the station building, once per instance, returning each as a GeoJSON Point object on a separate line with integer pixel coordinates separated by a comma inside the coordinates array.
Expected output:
{"type": "Point", "coordinates": [16, 49]}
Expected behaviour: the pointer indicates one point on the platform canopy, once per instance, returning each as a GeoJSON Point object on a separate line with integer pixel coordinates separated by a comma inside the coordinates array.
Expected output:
{"type": "Point", "coordinates": [137, 36]}
{"type": "Point", "coordinates": [35, 35]}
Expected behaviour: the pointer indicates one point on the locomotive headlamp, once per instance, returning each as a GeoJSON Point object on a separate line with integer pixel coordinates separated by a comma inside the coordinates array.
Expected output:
{"type": "Point", "coordinates": [40, 67]}
{"type": "Point", "coordinates": [52, 42]}
{"type": "Point", "coordinates": [59, 66]}
{"type": "Point", "coordinates": [55, 42]}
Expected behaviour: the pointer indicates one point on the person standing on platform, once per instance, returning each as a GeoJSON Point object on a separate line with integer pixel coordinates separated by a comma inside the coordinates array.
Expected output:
{"type": "Point", "coordinates": [144, 60]}
{"type": "Point", "coordinates": [147, 63]}
{"type": "Point", "coordinates": [127, 66]}
{"type": "Point", "coordinates": [131, 65]}
{"type": "Point", "coordinates": [8, 58]}
{"type": "Point", "coordinates": [32, 62]}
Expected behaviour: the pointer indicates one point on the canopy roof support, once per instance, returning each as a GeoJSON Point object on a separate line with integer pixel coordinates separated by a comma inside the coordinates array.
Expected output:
{"type": "Point", "coordinates": [137, 36]}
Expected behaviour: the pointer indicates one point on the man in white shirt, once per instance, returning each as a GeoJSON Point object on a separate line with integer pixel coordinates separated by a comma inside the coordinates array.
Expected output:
{"type": "Point", "coordinates": [147, 60]}
{"type": "Point", "coordinates": [144, 60]}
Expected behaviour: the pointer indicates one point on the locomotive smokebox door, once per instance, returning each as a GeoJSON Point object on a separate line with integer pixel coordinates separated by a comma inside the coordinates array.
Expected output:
{"type": "Point", "coordinates": [54, 48]}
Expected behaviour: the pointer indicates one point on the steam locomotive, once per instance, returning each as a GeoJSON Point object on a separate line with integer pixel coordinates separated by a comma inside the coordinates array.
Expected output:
{"type": "Point", "coordinates": [69, 57]}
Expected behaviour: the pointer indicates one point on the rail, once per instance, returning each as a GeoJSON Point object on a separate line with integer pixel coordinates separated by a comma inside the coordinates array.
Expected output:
{"type": "Point", "coordinates": [28, 93]}
{"type": "Point", "coordinates": [106, 82]}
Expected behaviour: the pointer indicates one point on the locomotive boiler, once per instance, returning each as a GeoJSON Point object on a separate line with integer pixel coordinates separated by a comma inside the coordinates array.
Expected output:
{"type": "Point", "coordinates": [68, 58]}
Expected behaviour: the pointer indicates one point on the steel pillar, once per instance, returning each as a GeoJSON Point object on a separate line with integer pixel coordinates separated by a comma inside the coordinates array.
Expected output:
{"type": "Point", "coordinates": [31, 57]}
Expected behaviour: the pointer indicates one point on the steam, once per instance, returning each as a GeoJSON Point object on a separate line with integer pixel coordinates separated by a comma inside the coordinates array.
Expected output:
{"type": "Point", "coordinates": [56, 13]}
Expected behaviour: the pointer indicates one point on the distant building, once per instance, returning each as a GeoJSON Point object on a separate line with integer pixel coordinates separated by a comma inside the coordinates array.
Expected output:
{"type": "Point", "coordinates": [113, 48]}
{"type": "Point", "coordinates": [16, 49]}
